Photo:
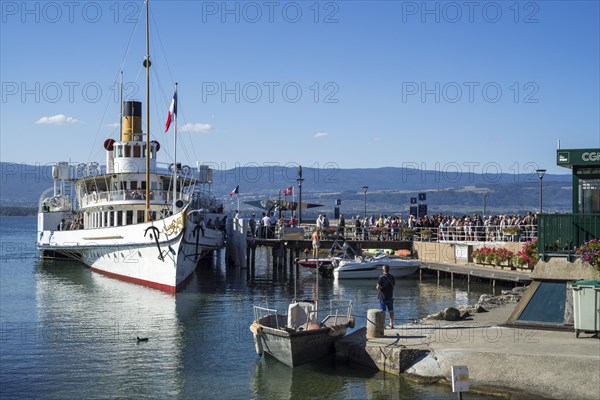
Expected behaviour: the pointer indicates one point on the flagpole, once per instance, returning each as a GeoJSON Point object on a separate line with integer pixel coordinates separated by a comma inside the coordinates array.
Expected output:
{"type": "Point", "coordinates": [175, 154]}
{"type": "Point", "coordinates": [147, 65]}
{"type": "Point", "coordinates": [238, 198]}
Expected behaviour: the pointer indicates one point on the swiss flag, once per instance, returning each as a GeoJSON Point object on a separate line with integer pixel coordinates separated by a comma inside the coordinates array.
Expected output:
{"type": "Point", "coordinates": [288, 191]}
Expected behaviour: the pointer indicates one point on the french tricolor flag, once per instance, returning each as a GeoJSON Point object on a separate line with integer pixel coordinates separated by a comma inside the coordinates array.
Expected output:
{"type": "Point", "coordinates": [172, 111]}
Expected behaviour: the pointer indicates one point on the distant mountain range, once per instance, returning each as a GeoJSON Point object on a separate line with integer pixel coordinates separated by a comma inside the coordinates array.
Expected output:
{"type": "Point", "coordinates": [389, 189]}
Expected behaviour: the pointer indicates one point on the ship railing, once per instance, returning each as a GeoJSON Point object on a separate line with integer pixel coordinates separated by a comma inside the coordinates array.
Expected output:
{"type": "Point", "coordinates": [270, 313]}
{"type": "Point", "coordinates": [161, 196]}
{"type": "Point", "coordinates": [90, 169]}
{"type": "Point", "coordinates": [460, 233]}
{"type": "Point", "coordinates": [338, 310]}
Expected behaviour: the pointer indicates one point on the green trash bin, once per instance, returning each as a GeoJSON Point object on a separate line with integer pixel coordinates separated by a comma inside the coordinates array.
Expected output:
{"type": "Point", "coordinates": [586, 306]}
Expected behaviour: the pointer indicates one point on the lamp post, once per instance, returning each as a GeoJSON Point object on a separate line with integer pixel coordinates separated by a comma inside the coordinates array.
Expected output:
{"type": "Point", "coordinates": [365, 188]}
{"type": "Point", "coordinates": [540, 173]}
{"type": "Point", "coordinates": [299, 179]}
{"type": "Point", "coordinates": [484, 196]}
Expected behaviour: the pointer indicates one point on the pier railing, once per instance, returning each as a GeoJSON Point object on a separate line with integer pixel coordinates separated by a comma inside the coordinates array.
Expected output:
{"type": "Point", "coordinates": [562, 233]}
{"type": "Point", "coordinates": [484, 233]}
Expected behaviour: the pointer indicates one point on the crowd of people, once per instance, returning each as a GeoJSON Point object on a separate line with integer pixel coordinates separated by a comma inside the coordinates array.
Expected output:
{"type": "Point", "coordinates": [445, 227]}
{"type": "Point", "coordinates": [267, 226]}
{"type": "Point", "coordinates": [476, 227]}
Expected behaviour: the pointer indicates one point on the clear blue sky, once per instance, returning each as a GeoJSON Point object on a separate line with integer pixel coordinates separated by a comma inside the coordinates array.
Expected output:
{"type": "Point", "coordinates": [383, 83]}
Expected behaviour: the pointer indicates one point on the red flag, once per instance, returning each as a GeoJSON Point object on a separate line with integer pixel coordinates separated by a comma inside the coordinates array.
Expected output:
{"type": "Point", "coordinates": [288, 191]}
{"type": "Point", "coordinates": [172, 111]}
{"type": "Point", "coordinates": [235, 191]}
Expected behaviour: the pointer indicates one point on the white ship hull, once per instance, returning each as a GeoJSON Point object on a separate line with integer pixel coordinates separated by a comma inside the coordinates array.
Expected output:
{"type": "Point", "coordinates": [132, 253]}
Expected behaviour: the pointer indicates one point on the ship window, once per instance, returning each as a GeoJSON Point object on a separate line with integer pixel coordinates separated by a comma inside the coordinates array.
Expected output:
{"type": "Point", "coordinates": [129, 217]}
{"type": "Point", "coordinates": [127, 151]}
{"type": "Point", "coordinates": [140, 216]}
{"type": "Point", "coordinates": [110, 219]}
{"type": "Point", "coordinates": [119, 218]}
{"type": "Point", "coordinates": [153, 215]}
{"type": "Point", "coordinates": [143, 185]}
{"type": "Point", "coordinates": [144, 148]}
{"type": "Point", "coordinates": [136, 151]}
{"type": "Point", "coordinates": [133, 185]}
{"type": "Point", "coordinates": [119, 151]}
{"type": "Point", "coordinates": [153, 185]}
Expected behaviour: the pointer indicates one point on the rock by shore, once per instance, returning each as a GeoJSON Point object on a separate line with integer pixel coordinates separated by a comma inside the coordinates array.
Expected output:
{"type": "Point", "coordinates": [485, 303]}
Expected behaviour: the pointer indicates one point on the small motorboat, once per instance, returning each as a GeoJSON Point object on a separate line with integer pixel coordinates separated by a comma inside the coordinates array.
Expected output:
{"type": "Point", "coordinates": [312, 262]}
{"type": "Point", "coordinates": [370, 268]}
{"type": "Point", "coordinates": [299, 337]}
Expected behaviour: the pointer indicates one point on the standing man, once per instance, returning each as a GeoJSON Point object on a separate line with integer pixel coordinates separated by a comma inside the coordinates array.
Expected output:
{"type": "Point", "coordinates": [385, 285]}
{"type": "Point", "coordinates": [315, 242]}
{"type": "Point", "coordinates": [341, 225]}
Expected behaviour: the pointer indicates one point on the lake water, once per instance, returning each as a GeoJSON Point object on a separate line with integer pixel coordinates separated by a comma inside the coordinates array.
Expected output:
{"type": "Point", "coordinates": [66, 332]}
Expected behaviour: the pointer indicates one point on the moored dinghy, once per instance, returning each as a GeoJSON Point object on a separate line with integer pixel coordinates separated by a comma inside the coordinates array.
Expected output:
{"type": "Point", "coordinates": [298, 337]}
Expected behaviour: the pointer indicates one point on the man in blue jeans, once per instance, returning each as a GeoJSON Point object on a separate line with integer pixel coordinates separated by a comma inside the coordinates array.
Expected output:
{"type": "Point", "coordinates": [385, 285]}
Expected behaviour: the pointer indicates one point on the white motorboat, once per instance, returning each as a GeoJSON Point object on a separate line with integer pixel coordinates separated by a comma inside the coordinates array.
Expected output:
{"type": "Point", "coordinates": [132, 219]}
{"type": "Point", "coordinates": [370, 268]}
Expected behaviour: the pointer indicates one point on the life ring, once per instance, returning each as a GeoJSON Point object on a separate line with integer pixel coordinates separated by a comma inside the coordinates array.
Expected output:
{"type": "Point", "coordinates": [55, 200]}
{"type": "Point", "coordinates": [185, 170]}
{"type": "Point", "coordinates": [80, 168]}
{"type": "Point", "coordinates": [93, 168]}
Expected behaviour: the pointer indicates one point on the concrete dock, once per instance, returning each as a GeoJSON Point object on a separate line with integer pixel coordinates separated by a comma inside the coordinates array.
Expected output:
{"type": "Point", "coordinates": [516, 362]}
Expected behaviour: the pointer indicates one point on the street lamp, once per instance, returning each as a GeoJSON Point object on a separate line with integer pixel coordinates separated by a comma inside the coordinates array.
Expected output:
{"type": "Point", "coordinates": [540, 173]}
{"type": "Point", "coordinates": [299, 179]}
{"type": "Point", "coordinates": [484, 196]}
{"type": "Point", "coordinates": [365, 188]}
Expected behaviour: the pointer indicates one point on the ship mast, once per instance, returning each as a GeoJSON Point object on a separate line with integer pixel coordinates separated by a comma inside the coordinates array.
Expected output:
{"type": "Point", "coordinates": [147, 65]}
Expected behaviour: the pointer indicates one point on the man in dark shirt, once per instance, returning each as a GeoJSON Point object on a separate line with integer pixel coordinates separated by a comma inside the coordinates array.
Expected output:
{"type": "Point", "coordinates": [385, 285]}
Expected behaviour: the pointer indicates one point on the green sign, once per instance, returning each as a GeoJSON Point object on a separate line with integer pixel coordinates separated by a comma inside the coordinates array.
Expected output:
{"type": "Point", "coordinates": [579, 157]}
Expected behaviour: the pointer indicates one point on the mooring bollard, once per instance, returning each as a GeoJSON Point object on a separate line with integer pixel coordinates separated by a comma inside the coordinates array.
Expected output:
{"type": "Point", "coordinates": [375, 323]}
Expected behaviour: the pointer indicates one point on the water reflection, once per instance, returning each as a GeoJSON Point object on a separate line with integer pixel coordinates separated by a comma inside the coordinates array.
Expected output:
{"type": "Point", "coordinates": [88, 326]}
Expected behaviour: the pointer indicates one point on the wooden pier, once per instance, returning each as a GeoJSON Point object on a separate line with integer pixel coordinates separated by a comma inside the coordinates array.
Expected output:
{"type": "Point", "coordinates": [470, 271]}
{"type": "Point", "coordinates": [435, 261]}
{"type": "Point", "coordinates": [286, 251]}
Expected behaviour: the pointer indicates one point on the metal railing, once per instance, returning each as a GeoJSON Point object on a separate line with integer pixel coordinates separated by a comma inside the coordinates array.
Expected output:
{"type": "Point", "coordinates": [489, 233]}
{"type": "Point", "coordinates": [562, 233]}
{"type": "Point", "coordinates": [125, 195]}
